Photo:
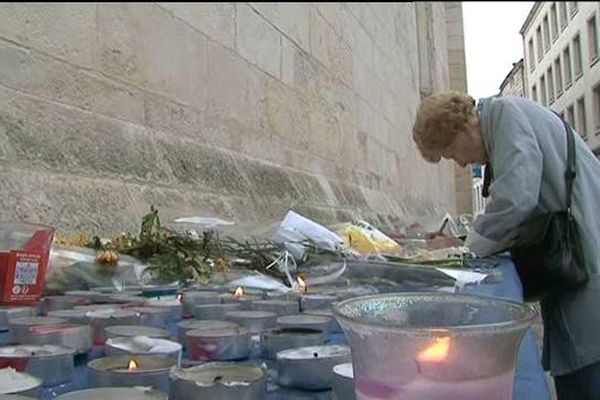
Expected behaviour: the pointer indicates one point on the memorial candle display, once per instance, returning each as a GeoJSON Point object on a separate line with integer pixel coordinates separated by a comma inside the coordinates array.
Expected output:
{"type": "Point", "coordinates": [413, 346]}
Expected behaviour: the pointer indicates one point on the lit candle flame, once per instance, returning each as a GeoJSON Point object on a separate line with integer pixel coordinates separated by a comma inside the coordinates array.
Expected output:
{"type": "Point", "coordinates": [239, 292]}
{"type": "Point", "coordinates": [180, 297]}
{"type": "Point", "coordinates": [132, 365]}
{"type": "Point", "coordinates": [302, 284]}
{"type": "Point", "coordinates": [436, 352]}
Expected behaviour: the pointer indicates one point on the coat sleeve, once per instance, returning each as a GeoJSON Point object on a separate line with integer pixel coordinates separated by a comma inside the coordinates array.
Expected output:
{"type": "Point", "coordinates": [514, 192]}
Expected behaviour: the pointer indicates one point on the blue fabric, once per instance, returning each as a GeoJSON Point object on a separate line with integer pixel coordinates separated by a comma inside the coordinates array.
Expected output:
{"type": "Point", "coordinates": [530, 379]}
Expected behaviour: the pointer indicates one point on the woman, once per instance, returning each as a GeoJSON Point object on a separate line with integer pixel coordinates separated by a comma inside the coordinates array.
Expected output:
{"type": "Point", "coordinates": [527, 145]}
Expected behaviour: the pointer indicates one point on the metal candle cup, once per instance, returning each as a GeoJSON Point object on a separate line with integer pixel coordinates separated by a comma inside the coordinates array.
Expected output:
{"type": "Point", "coordinates": [21, 383]}
{"type": "Point", "coordinates": [101, 319]}
{"type": "Point", "coordinates": [245, 300]}
{"type": "Point", "coordinates": [114, 393]}
{"type": "Point", "coordinates": [196, 298]}
{"type": "Point", "coordinates": [221, 344]}
{"type": "Point", "coordinates": [19, 327]}
{"type": "Point", "coordinates": [55, 303]}
{"type": "Point", "coordinates": [218, 381]}
{"type": "Point", "coordinates": [334, 325]}
{"type": "Point", "coordinates": [52, 364]}
{"type": "Point", "coordinates": [275, 340]}
{"type": "Point", "coordinates": [74, 336]}
{"type": "Point", "coordinates": [255, 321]}
{"type": "Point", "coordinates": [172, 304]}
{"type": "Point", "coordinates": [127, 299]}
{"type": "Point", "coordinates": [142, 345]}
{"type": "Point", "coordinates": [185, 326]}
{"type": "Point", "coordinates": [73, 316]}
{"type": "Point", "coordinates": [343, 382]}
{"type": "Point", "coordinates": [9, 312]}
{"type": "Point", "coordinates": [89, 296]}
{"type": "Point", "coordinates": [150, 371]}
{"type": "Point", "coordinates": [310, 368]}
{"type": "Point", "coordinates": [214, 311]}
{"type": "Point", "coordinates": [279, 307]}
{"type": "Point", "coordinates": [134, 330]}
{"type": "Point", "coordinates": [305, 321]}
{"type": "Point", "coordinates": [157, 317]}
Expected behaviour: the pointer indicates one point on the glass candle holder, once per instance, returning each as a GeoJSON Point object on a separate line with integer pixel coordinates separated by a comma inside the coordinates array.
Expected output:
{"type": "Point", "coordinates": [416, 346]}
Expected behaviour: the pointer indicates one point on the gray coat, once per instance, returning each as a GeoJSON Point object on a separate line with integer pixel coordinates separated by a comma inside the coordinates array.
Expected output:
{"type": "Point", "coordinates": [527, 146]}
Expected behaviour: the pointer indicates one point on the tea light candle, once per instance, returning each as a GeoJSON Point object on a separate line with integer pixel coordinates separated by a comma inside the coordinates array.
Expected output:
{"type": "Point", "coordinates": [221, 344]}
{"type": "Point", "coordinates": [196, 298]}
{"type": "Point", "coordinates": [310, 368]}
{"type": "Point", "coordinates": [73, 336]}
{"type": "Point", "coordinates": [218, 381]}
{"type": "Point", "coordinates": [109, 393]}
{"type": "Point", "coordinates": [88, 295]}
{"type": "Point", "coordinates": [157, 317]}
{"type": "Point", "coordinates": [143, 345]}
{"type": "Point", "coordinates": [316, 301]}
{"type": "Point", "coordinates": [289, 296]}
{"type": "Point", "coordinates": [54, 303]}
{"type": "Point", "coordinates": [254, 321]}
{"type": "Point", "coordinates": [343, 382]}
{"type": "Point", "coordinates": [127, 289]}
{"type": "Point", "coordinates": [100, 319]}
{"type": "Point", "coordinates": [52, 364]}
{"type": "Point", "coordinates": [116, 331]}
{"type": "Point", "coordinates": [18, 328]}
{"type": "Point", "coordinates": [129, 371]}
{"type": "Point", "coordinates": [193, 324]}
{"type": "Point", "coordinates": [275, 340]}
{"type": "Point", "coordinates": [305, 321]}
{"type": "Point", "coordinates": [173, 304]}
{"type": "Point", "coordinates": [214, 311]}
{"type": "Point", "coordinates": [128, 299]}
{"type": "Point", "coordinates": [279, 307]}
{"type": "Point", "coordinates": [10, 312]}
{"type": "Point", "coordinates": [334, 325]}
{"type": "Point", "coordinates": [21, 383]}
{"type": "Point", "coordinates": [239, 296]}
{"type": "Point", "coordinates": [73, 316]}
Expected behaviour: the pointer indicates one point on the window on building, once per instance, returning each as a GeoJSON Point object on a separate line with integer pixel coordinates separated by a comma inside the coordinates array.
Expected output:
{"type": "Point", "coordinates": [572, 8]}
{"type": "Point", "coordinates": [596, 103]}
{"type": "Point", "coordinates": [540, 46]}
{"type": "Point", "coordinates": [562, 14]}
{"type": "Point", "coordinates": [534, 93]}
{"type": "Point", "coordinates": [554, 21]}
{"type": "Point", "coordinates": [571, 115]}
{"type": "Point", "coordinates": [558, 80]}
{"type": "Point", "coordinates": [567, 67]}
{"type": "Point", "coordinates": [531, 56]}
{"type": "Point", "coordinates": [543, 90]}
{"type": "Point", "coordinates": [577, 62]}
{"type": "Point", "coordinates": [550, 81]}
{"type": "Point", "coordinates": [546, 31]}
{"type": "Point", "coordinates": [592, 39]}
{"type": "Point", "coordinates": [581, 117]}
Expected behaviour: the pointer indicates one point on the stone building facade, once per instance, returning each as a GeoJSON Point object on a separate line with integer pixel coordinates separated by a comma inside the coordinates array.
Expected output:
{"type": "Point", "coordinates": [514, 83]}
{"type": "Point", "coordinates": [561, 47]}
{"type": "Point", "coordinates": [236, 110]}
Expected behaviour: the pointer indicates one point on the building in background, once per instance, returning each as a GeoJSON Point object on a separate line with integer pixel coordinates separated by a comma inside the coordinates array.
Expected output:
{"type": "Point", "coordinates": [235, 110]}
{"type": "Point", "coordinates": [560, 42]}
{"type": "Point", "coordinates": [514, 83]}
{"type": "Point", "coordinates": [458, 81]}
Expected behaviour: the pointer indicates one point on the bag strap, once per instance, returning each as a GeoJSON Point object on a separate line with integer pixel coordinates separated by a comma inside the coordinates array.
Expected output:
{"type": "Point", "coordinates": [570, 173]}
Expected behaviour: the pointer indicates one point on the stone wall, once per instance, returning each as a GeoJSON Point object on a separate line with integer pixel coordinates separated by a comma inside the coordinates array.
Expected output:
{"type": "Point", "coordinates": [237, 110]}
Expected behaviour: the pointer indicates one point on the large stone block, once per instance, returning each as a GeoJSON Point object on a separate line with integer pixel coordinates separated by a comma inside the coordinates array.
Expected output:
{"type": "Point", "coordinates": [236, 89]}
{"type": "Point", "coordinates": [66, 31]}
{"type": "Point", "coordinates": [54, 137]}
{"type": "Point", "coordinates": [146, 45]}
{"type": "Point", "coordinates": [216, 20]}
{"type": "Point", "coordinates": [257, 41]}
{"type": "Point", "coordinates": [43, 76]}
{"type": "Point", "coordinates": [286, 114]}
{"type": "Point", "coordinates": [290, 18]}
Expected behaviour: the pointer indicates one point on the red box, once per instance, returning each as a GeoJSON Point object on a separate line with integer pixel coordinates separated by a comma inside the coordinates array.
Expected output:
{"type": "Point", "coordinates": [24, 253]}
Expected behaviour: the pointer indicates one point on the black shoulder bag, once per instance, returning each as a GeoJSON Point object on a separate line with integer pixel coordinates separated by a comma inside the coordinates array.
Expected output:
{"type": "Point", "coordinates": [548, 253]}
